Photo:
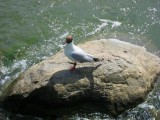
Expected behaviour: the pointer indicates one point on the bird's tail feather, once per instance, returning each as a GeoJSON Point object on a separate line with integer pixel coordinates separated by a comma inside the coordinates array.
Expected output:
{"type": "Point", "coordinates": [98, 59]}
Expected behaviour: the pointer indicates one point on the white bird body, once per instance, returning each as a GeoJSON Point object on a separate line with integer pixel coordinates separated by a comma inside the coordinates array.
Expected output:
{"type": "Point", "coordinates": [76, 54]}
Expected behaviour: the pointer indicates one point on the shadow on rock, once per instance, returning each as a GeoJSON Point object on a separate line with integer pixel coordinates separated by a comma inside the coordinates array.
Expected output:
{"type": "Point", "coordinates": [67, 77]}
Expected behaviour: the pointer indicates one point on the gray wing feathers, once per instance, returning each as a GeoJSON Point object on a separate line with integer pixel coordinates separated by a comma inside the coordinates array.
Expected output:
{"type": "Point", "coordinates": [90, 55]}
{"type": "Point", "coordinates": [82, 57]}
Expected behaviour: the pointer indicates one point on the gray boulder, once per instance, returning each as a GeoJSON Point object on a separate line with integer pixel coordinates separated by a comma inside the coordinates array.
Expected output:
{"type": "Point", "coordinates": [119, 82]}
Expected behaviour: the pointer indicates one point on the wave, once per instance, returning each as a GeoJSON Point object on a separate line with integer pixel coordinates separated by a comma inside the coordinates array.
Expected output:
{"type": "Point", "coordinates": [104, 23]}
{"type": "Point", "coordinates": [12, 72]}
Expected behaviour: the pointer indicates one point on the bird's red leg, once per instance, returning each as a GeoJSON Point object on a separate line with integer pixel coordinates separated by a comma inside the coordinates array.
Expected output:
{"type": "Point", "coordinates": [73, 68]}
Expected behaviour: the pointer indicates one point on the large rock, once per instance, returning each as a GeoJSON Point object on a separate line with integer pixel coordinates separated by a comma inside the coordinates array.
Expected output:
{"type": "Point", "coordinates": [122, 80]}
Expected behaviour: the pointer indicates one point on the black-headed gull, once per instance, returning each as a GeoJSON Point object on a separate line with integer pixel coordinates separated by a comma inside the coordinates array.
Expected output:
{"type": "Point", "coordinates": [76, 54]}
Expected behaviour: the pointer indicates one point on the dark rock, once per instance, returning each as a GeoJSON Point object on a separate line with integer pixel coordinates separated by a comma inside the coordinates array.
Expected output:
{"type": "Point", "coordinates": [121, 81]}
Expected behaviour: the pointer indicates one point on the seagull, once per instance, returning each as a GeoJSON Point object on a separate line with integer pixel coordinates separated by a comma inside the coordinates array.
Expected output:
{"type": "Point", "coordinates": [76, 54]}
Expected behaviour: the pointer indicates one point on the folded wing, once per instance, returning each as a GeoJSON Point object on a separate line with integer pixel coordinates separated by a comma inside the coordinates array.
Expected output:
{"type": "Point", "coordinates": [82, 57]}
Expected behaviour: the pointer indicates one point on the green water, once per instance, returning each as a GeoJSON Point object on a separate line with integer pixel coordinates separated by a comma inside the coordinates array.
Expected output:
{"type": "Point", "coordinates": [32, 30]}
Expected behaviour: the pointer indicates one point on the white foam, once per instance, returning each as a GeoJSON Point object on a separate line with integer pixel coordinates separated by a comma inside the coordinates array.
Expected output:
{"type": "Point", "coordinates": [38, 118]}
{"type": "Point", "coordinates": [61, 46]}
{"type": "Point", "coordinates": [64, 35]}
{"type": "Point", "coordinates": [98, 28]}
{"type": "Point", "coordinates": [116, 24]}
{"type": "Point", "coordinates": [6, 72]}
{"type": "Point", "coordinates": [104, 23]}
{"type": "Point", "coordinates": [145, 105]}
{"type": "Point", "coordinates": [134, 1]}
{"type": "Point", "coordinates": [44, 57]}
{"type": "Point", "coordinates": [52, 5]}
{"type": "Point", "coordinates": [6, 78]}
{"type": "Point", "coordinates": [20, 64]}
{"type": "Point", "coordinates": [152, 9]}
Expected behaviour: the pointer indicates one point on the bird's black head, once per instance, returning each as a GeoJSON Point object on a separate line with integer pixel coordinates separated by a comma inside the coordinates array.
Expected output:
{"type": "Point", "coordinates": [69, 39]}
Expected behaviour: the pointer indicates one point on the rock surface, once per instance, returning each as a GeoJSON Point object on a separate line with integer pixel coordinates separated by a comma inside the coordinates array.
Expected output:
{"type": "Point", "coordinates": [121, 81]}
